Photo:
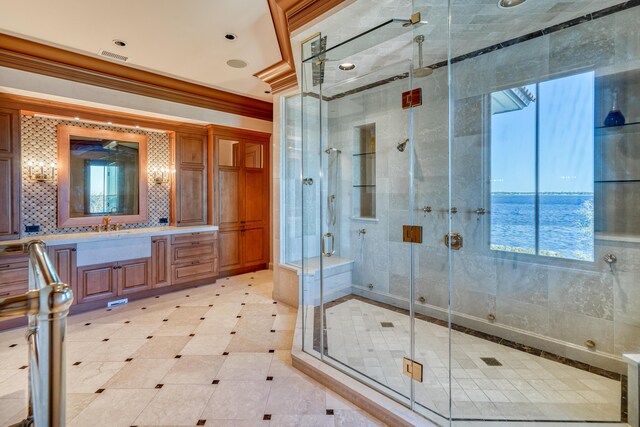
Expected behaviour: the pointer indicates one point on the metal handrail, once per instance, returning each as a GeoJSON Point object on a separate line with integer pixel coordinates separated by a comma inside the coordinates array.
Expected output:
{"type": "Point", "coordinates": [47, 305]}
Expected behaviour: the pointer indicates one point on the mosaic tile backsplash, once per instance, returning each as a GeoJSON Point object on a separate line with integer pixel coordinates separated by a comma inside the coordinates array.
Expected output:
{"type": "Point", "coordinates": [39, 199]}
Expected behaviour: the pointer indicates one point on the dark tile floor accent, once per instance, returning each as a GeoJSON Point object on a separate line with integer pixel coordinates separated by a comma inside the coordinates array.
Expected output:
{"type": "Point", "coordinates": [266, 417]}
{"type": "Point", "coordinates": [329, 411]}
{"type": "Point", "coordinates": [159, 385]}
{"type": "Point", "coordinates": [100, 390]}
{"type": "Point", "coordinates": [386, 324]}
{"type": "Point", "coordinates": [491, 361]}
{"type": "Point", "coordinates": [215, 382]}
{"type": "Point", "coordinates": [201, 422]}
{"type": "Point", "coordinates": [76, 363]}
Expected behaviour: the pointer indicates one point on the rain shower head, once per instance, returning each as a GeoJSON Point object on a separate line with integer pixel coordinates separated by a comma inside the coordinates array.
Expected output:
{"type": "Point", "coordinates": [421, 71]}
{"type": "Point", "coordinates": [402, 145]}
{"type": "Point", "coordinates": [331, 150]}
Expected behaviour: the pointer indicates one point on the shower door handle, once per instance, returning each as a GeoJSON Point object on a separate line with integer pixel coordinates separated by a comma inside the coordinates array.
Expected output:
{"type": "Point", "coordinates": [333, 244]}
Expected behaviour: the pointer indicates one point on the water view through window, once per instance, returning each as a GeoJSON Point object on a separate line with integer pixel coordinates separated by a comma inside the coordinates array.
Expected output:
{"type": "Point", "coordinates": [542, 168]}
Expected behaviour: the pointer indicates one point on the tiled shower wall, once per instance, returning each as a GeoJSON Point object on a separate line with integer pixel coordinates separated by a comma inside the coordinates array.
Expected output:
{"type": "Point", "coordinates": [554, 303]}
{"type": "Point", "coordinates": [39, 199]}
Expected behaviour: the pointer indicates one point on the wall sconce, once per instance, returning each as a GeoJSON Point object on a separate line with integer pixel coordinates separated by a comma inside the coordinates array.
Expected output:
{"type": "Point", "coordinates": [39, 173]}
{"type": "Point", "coordinates": [160, 176]}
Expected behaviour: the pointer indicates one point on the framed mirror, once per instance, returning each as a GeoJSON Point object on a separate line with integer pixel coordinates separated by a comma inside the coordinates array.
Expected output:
{"type": "Point", "coordinates": [101, 172]}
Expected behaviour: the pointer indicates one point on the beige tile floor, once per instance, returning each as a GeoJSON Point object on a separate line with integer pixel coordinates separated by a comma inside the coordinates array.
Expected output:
{"type": "Point", "coordinates": [525, 387]}
{"type": "Point", "coordinates": [218, 353]}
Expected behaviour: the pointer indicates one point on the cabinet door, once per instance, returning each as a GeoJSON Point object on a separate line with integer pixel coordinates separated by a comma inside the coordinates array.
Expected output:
{"type": "Point", "coordinates": [10, 177]}
{"type": "Point", "coordinates": [160, 262]}
{"type": "Point", "coordinates": [64, 261]}
{"type": "Point", "coordinates": [254, 247]}
{"type": "Point", "coordinates": [190, 180]}
{"type": "Point", "coordinates": [229, 255]}
{"type": "Point", "coordinates": [14, 275]}
{"type": "Point", "coordinates": [133, 276]}
{"type": "Point", "coordinates": [97, 282]}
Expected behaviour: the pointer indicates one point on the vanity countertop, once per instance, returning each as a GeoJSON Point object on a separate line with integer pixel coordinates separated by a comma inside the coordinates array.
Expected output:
{"type": "Point", "coordinates": [71, 238]}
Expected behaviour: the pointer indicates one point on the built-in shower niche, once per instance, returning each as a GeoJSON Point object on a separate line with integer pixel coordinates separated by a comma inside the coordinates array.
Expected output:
{"type": "Point", "coordinates": [617, 155]}
{"type": "Point", "coordinates": [364, 171]}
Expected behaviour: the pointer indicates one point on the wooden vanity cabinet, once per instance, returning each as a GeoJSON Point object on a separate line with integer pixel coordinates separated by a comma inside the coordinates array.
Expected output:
{"type": "Point", "coordinates": [160, 262]}
{"type": "Point", "coordinates": [63, 258]}
{"type": "Point", "coordinates": [102, 281]}
{"type": "Point", "coordinates": [14, 275]}
{"type": "Point", "coordinates": [10, 174]}
{"type": "Point", "coordinates": [194, 257]}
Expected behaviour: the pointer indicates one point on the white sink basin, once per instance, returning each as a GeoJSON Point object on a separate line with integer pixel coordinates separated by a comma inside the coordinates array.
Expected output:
{"type": "Point", "coordinates": [113, 250]}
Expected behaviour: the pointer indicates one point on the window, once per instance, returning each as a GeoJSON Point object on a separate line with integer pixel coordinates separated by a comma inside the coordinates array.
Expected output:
{"type": "Point", "coordinates": [542, 168]}
{"type": "Point", "coordinates": [103, 178]}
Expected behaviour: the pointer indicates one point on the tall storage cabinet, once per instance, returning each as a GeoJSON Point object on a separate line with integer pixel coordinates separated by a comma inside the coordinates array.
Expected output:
{"type": "Point", "coordinates": [10, 176]}
{"type": "Point", "coordinates": [189, 157]}
{"type": "Point", "coordinates": [242, 199]}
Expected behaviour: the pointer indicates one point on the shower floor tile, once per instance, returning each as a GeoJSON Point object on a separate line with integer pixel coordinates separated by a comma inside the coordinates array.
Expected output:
{"type": "Point", "coordinates": [523, 387]}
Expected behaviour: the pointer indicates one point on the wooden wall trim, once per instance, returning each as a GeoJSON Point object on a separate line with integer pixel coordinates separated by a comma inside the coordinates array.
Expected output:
{"type": "Point", "coordinates": [29, 105]}
{"type": "Point", "coordinates": [38, 58]}
{"type": "Point", "coordinates": [288, 16]}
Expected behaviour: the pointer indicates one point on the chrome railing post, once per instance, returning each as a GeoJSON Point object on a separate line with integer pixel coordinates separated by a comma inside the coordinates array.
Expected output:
{"type": "Point", "coordinates": [47, 305]}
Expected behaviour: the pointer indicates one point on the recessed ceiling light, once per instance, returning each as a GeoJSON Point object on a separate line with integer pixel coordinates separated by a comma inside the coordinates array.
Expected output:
{"type": "Point", "coordinates": [119, 43]}
{"type": "Point", "coordinates": [236, 63]}
{"type": "Point", "coordinates": [109, 123]}
{"type": "Point", "coordinates": [505, 4]}
{"type": "Point", "coordinates": [347, 66]}
{"type": "Point", "coordinates": [138, 126]}
{"type": "Point", "coordinates": [230, 36]}
{"type": "Point", "coordinates": [76, 118]}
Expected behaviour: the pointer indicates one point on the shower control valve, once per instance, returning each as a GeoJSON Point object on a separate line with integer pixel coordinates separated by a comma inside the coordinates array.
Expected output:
{"type": "Point", "coordinates": [610, 259]}
{"type": "Point", "coordinates": [480, 212]}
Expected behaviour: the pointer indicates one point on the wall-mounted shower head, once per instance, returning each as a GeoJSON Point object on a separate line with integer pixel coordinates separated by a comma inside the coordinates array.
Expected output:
{"type": "Point", "coordinates": [402, 145]}
{"type": "Point", "coordinates": [421, 71]}
{"type": "Point", "coordinates": [332, 149]}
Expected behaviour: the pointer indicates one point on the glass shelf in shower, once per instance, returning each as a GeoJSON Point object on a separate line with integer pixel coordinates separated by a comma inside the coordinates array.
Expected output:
{"type": "Point", "coordinates": [364, 154]}
{"type": "Point", "coordinates": [633, 127]}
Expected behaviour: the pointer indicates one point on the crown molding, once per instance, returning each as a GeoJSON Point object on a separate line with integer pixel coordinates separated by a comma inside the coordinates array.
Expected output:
{"type": "Point", "coordinates": [288, 16]}
{"type": "Point", "coordinates": [39, 58]}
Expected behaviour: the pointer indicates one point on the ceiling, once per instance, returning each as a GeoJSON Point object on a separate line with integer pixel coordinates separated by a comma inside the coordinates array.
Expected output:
{"type": "Point", "coordinates": [180, 39]}
{"type": "Point", "coordinates": [475, 24]}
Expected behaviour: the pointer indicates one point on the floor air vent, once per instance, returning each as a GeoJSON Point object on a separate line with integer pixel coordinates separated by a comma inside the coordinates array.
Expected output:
{"type": "Point", "coordinates": [112, 55]}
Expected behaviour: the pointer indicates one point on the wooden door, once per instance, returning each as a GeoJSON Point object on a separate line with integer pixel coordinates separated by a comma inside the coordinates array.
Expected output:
{"type": "Point", "coordinates": [97, 282]}
{"type": "Point", "coordinates": [242, 200]}
{"type": "Point", "coordinates": [64, 261]}
{"type": "Point", "coordinates": [10, 176]}
{"type": "Point", "coordinates": [160, 262]}
{"type": "Point", "coordinates": [190, 179]}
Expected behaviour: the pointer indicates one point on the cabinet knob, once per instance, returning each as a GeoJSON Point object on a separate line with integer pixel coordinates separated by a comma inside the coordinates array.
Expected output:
{"type": "Point", "coordinates": [73, 249]}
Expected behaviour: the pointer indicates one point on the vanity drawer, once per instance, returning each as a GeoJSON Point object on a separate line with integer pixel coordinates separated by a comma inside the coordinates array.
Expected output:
{"type": "Point", "coordinates": [15, 288]}
{"type": "Point", "coordinates": [195, 271]}
{"type": "Point", "coordinates": [194, 251]}
{"type": "Point", "coordinates": [14, 277]}
{"type": "Point", "coordinates": [194, 237]}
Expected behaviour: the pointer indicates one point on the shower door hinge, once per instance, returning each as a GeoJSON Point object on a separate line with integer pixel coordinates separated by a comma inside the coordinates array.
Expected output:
{"type": "Point", "coordinates": [412, 369]}
{"type": "Point", "coordinates": [412, 233]}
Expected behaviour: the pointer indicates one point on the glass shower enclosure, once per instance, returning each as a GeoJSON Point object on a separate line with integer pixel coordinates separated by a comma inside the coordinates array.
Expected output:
{"type": "Point", "coordinates": [461, 206]}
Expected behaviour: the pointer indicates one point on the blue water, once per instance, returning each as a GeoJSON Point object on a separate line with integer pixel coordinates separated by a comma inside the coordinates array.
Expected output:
{"type": "Point", "coordinates": [566, 224]}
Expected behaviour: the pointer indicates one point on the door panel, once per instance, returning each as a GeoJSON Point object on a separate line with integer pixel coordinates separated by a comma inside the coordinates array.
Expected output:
{"type": "Point", "coordinates": [254, 246]}
{"type": "Point", "coordinates": [229, 255]}
{"type": "Point", "coordinates": [133, 276]}
{"type": "Point", "coordinates": [64, 260]}
{"type": "Point", "coordinates": [191, 203]}
{"type": "Point", "coordinates": [192, 150]}
{"type": "Point", "coordinates": [97, 282]}
{"type": "Point", "coordinates": [6, 120]}
{"type": "Point", "coordinates": [160, 262]}
{"type": "Point", "coordinates": [254, 199]}
{"type": "Point", "coordinates": [229, 189]}
{"type": "Point", "coordinates": [6, 197]}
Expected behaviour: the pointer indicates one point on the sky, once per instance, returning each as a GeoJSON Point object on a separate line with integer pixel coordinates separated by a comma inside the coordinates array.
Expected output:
{"type": "Point", "coordinates": [566, 127]}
